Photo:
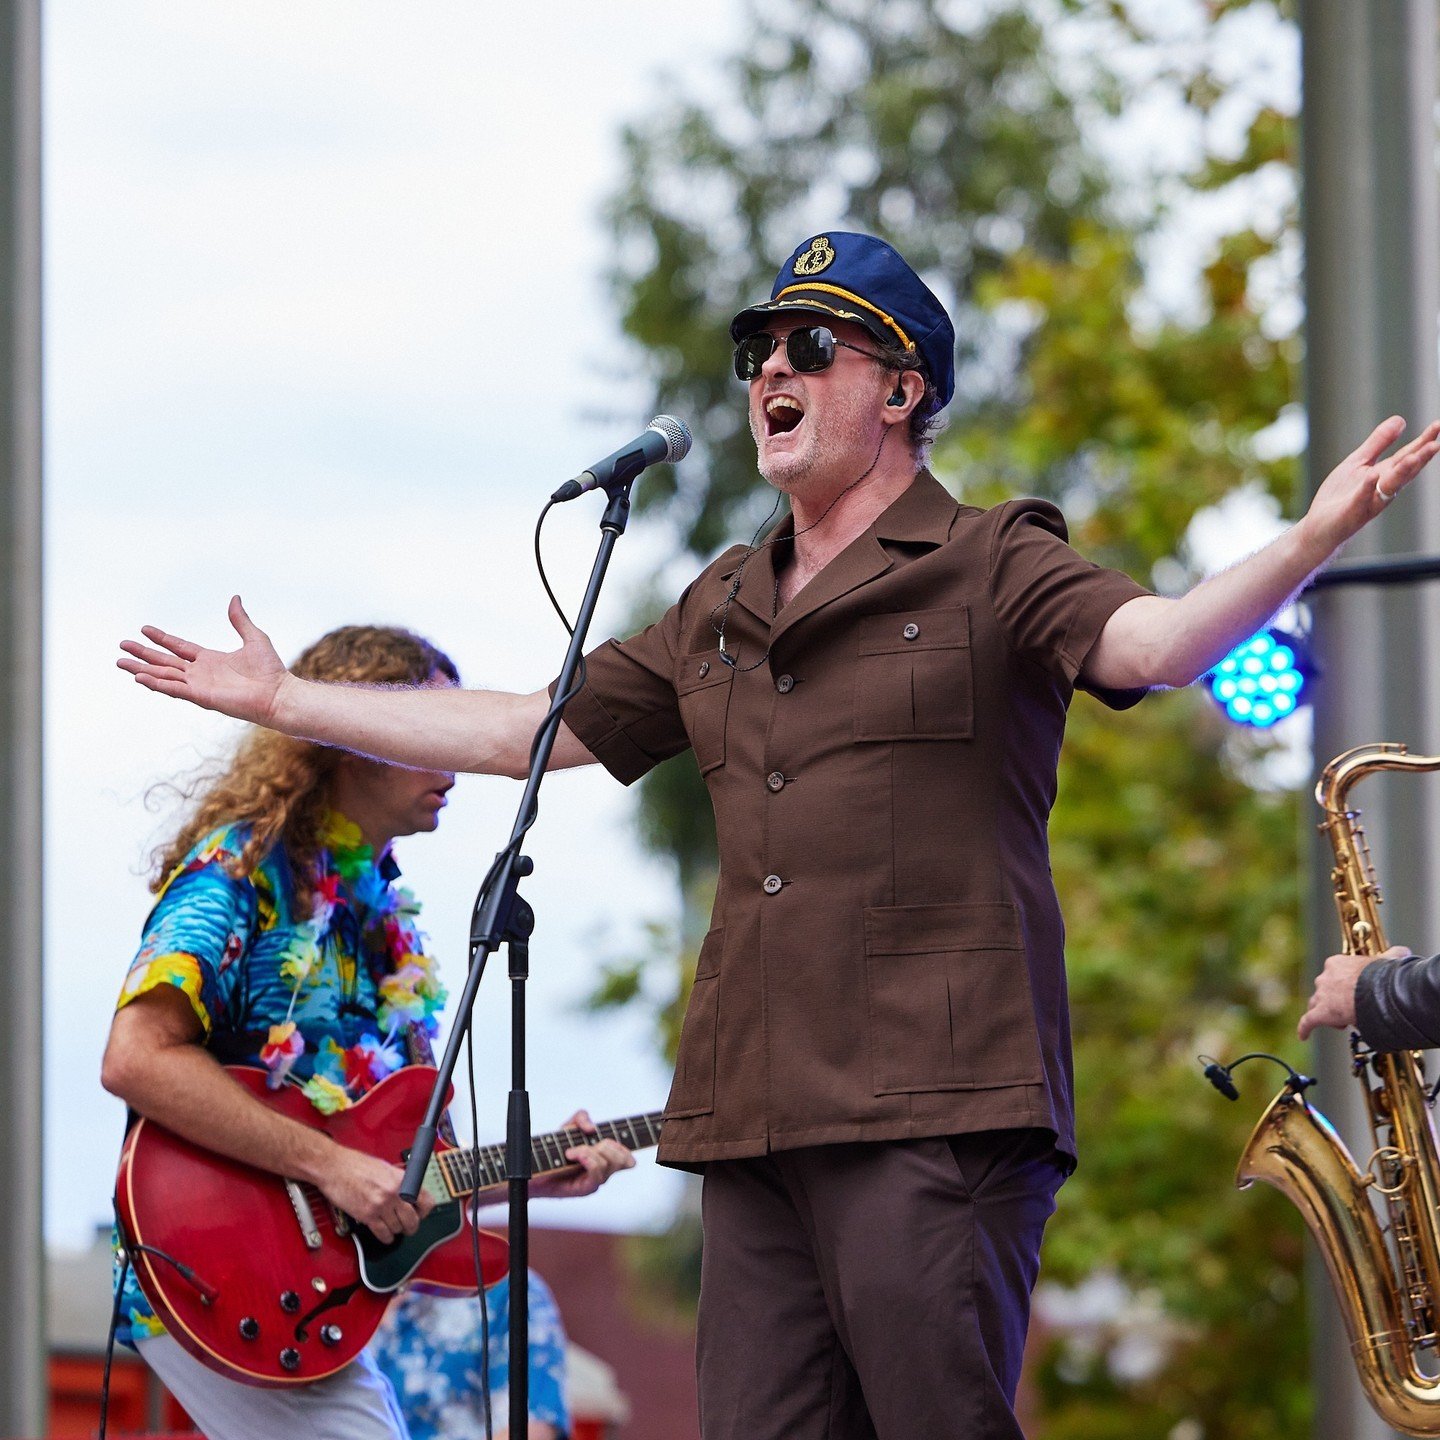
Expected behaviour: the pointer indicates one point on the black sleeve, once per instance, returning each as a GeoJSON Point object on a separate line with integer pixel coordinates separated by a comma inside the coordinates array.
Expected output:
{"type": "Point", "coordinates": [1397, 1004]}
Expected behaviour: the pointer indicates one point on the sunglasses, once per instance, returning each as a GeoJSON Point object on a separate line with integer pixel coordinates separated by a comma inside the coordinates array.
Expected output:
{"type": "Point", "coordinates": [809, 350]}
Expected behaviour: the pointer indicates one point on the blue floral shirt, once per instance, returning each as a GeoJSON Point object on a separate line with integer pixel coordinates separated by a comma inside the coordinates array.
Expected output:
{"type": "Point", "coordinates": [429, 1347]}
{"type": "Point", "coordinates": [321, 999]}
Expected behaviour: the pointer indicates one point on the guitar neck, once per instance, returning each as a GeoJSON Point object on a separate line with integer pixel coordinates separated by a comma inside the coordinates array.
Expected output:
{"type": "Point", "coordinates": [462, 1172]}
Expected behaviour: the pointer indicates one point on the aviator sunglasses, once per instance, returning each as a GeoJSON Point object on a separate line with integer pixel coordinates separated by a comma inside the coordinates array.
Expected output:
{"type": "Point", "coordinates": [809, 349]}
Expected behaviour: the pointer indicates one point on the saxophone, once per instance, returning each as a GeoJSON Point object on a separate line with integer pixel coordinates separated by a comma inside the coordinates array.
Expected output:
{"type": "Point", "coordinates": [1389, 1292]}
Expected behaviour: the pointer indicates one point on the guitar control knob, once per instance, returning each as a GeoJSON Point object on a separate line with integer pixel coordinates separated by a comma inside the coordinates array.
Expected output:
{"type": "Point", "coordinates": [249, 1328]}
{"type": "Point", "coordinates": [289, 1301]}
{"type": "Point", "coordinates": [290, 1358]}
{"type": "Point", "coordinates": [331, 1334]}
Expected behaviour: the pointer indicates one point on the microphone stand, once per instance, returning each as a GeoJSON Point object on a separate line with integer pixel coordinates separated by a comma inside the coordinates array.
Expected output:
{"type": "Point", "coordinates": [502, 916]}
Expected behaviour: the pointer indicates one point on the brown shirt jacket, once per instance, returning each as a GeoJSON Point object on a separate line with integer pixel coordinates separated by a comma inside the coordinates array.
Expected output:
{"type": "Point", "coordinates": [885, 958]}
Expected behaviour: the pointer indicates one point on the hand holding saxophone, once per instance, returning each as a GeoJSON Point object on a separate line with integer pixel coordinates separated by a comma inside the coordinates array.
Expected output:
{"type": "Point", "coordinates": [1333, 1001]}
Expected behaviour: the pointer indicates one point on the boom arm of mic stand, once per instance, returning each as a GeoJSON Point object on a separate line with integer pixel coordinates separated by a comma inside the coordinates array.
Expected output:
{"type": "Point", "coordinates": [492, 919]}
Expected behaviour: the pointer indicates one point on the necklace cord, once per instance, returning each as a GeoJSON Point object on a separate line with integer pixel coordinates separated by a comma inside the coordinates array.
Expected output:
{"type": "Point", "coordinates": [753, 549]}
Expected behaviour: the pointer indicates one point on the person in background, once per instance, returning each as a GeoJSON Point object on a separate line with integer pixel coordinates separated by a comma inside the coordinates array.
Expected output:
{"type": "Point", "coordinates": [280, 937]}
{"type": "Point", "coordinates": [430, 1346]}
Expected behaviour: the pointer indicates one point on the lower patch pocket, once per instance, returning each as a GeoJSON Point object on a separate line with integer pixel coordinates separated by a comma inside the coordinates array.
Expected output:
{"type": "Point", "coordinates": [949, 998]}
{"type": "Point", "coordinates": [693, 1090]}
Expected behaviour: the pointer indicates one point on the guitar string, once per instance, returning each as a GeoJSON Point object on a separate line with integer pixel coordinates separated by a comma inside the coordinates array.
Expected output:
{"type": "Point", "coordinates": [466, 1170]}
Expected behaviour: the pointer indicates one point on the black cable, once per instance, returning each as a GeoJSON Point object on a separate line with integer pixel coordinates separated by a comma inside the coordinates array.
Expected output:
{"type": "Point", "coordinates": [557, 705]}
{"type": "Point", "coordinates": [475, 1236]}
{"type": "Point", "coordinates": [564, 620]}
{"type": "Point", "coordinates": [1219, 1075]}
{"type": "Point", "coordinates": [206, 1292]}
{"type": "Point", "coordinates": [540, 566]}
{"type": "Point", "coordinates": [753, 549]}
{"type": "Point", "coordinates": [114, 1326]}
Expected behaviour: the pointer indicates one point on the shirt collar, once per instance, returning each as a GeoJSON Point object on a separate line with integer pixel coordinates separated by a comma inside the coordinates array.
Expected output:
{"type": "Point", "coordinates": [923, 513]}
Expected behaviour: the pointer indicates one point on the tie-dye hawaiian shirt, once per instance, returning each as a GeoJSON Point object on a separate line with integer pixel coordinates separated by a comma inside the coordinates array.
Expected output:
{"type": "Point", "coordinates": [336, 984]}
{"type": "Point", "coordinates": [429, 1346]}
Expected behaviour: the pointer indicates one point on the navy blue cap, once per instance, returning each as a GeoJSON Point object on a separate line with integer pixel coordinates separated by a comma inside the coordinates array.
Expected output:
{"type": "Point", "coordinates": [863, 280]}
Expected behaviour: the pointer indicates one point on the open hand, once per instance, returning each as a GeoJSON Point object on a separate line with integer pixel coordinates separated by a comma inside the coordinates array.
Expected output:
{"type": "Point", "coordinates": [243, 683]}
{"type": "Point", "coordinates": [1366, 481]}
{"type": "Point", "coordinates": [595, 1164]}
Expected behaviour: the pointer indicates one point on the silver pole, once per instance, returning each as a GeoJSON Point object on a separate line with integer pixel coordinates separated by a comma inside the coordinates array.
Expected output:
{"type": "Point", "coordinates": [1372, 242]}
{"type": "Point", "coordinates": [22, 1343]}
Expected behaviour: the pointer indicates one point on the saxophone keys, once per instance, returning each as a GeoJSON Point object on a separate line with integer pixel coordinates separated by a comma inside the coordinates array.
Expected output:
{"type": "Point", "coordinates": [1396, 1163]}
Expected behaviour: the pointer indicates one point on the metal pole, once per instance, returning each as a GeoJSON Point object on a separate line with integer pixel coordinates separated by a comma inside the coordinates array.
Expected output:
{"type": "Point", "coordinates": [1372, 241]}
{"type": "Point", "coordinates": [22, 1343]}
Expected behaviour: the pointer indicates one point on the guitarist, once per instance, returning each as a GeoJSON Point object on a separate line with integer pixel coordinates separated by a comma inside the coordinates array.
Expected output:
{"type": "Point", "coordinates": [280, 938]}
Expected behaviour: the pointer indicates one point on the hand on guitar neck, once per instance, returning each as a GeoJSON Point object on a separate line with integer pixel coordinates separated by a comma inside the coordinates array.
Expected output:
{"type": "Point", "coordinates": [592, 1165]}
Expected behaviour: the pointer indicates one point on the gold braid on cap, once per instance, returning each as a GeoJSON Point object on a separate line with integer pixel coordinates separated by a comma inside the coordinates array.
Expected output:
{"type": "Point", "coordinates": [854, 299]}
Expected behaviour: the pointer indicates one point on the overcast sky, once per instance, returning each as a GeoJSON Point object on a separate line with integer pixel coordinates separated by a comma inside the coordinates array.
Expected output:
{"type": "Point", "coordinates": [325, 323]}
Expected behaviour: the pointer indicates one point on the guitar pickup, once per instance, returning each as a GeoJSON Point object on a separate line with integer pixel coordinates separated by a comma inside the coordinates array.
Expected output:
{"type": "Point", "coordinates": [304, 1214]}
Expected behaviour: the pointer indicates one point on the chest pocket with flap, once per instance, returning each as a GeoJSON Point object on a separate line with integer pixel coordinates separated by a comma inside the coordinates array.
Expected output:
{"type": "Point", "coordinates": [702, 687]}
{"type": "Point", "coordinates": [913, 677]}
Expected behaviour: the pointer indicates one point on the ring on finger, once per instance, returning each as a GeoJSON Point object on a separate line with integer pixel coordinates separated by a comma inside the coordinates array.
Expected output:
{"type": "Point", "coordinates": [1385, 496]}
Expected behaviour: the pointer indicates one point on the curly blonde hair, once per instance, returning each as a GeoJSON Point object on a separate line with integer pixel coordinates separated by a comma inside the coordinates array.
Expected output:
{"type": "Point", "coordinates": [279, 786]}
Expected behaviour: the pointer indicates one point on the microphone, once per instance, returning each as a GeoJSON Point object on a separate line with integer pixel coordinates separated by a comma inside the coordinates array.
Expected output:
{"type": "Point", "coordinates": [1219, 1077]}
{"type": "Point", "coordinates": [665, 441]}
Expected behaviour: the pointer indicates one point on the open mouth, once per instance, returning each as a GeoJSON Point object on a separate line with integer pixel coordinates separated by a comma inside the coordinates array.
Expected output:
{"type": "Point", "coordinates": [782, 414]}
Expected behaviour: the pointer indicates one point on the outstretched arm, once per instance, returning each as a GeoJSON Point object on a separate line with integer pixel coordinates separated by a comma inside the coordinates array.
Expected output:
{"type": "Point", "coordinates": [486, 732]}
{"type": "Point", "coordinates": [1155, 641]}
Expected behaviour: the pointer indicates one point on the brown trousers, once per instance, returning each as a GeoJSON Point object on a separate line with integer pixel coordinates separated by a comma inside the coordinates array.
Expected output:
{"type": "Point", "coordinates": [872, 1291]}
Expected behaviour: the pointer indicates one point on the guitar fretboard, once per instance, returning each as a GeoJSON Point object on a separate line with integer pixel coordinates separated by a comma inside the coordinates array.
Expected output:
{"type": "Point", "coordinates": [465, 1171]}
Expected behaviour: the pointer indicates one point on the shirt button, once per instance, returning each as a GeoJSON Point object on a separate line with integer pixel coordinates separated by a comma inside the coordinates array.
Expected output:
{"type": "Point", "coordinates": [911, 631]}
{"type": "Point", "coordinates": [774, 781]}
{"type": "Point", "coordinates": [772, 884]}
{"type": "Point", "coordinates": [704, 668]}
{"type": "Point", "coordinates": [785, 684]}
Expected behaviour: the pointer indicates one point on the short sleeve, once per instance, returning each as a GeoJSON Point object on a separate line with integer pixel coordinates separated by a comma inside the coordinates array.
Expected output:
{"type": "Point", "coordinates": [200, 923]}
{"type": "Point", "coordinates": [627, 714]}
{"type": "Point", "coordinates": [1051, 602]}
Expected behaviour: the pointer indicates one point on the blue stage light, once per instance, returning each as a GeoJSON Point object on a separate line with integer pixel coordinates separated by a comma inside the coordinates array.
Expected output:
{"type": "Point", "coordinates": [1261, 681]}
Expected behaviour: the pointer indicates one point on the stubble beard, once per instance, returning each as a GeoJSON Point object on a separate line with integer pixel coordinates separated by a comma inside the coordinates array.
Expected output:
{"type": "Point", "coordinates": [810, 465]}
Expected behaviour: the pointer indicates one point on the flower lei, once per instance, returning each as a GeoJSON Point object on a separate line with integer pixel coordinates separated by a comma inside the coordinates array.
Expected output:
{"type": "Point", "coordinates": [410, 991]}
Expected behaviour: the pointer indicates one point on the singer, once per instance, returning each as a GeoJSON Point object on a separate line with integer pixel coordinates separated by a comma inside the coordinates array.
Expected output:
{"type": "Point", "coordinates": [874, 1073]}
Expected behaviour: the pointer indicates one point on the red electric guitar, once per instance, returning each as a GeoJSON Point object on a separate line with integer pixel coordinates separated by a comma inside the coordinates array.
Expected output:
{"type": "Point", "coordinates": [262, 1279]}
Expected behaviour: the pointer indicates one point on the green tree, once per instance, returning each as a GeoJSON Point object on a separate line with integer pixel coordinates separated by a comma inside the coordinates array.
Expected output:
{"type": "Point", "coordinates": [971, 143]}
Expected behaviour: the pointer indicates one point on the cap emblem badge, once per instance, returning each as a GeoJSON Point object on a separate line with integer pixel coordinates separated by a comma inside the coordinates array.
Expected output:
{"type": "Point", "coordinates": [817, 258]}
